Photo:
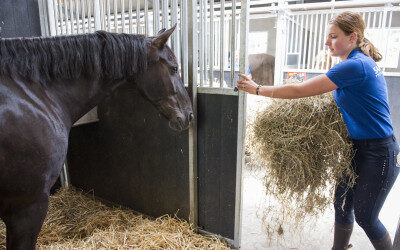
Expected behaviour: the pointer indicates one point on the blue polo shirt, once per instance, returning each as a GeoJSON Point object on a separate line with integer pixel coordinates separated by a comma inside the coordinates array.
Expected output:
{"type": "Point", "coordinates": [362, 96]}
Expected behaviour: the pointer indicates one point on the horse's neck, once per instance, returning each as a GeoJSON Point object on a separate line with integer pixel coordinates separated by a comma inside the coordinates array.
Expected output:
{"type": "Point", "coordinates": [79, 97]}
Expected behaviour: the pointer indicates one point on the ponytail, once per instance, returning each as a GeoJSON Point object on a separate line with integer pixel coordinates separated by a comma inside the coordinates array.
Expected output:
{"type": "Point", "coordinates": [370, 50]}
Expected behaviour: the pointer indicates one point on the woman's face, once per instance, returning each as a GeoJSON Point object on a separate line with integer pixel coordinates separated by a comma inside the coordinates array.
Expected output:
{"type": "Point", "coordinates": [339, 43]}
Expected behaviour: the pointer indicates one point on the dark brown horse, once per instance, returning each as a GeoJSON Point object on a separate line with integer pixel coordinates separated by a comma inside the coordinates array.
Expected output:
{"type": "Point", "coordinates": [47, 84]}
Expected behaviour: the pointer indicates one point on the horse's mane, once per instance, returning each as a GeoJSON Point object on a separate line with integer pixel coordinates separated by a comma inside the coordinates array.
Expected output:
{"type": "Point", "coordinates": [101, 54]}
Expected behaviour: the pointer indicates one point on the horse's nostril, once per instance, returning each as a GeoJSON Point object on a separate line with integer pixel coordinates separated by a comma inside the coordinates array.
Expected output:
{"type": "Point", "coordinates": [191, 117]}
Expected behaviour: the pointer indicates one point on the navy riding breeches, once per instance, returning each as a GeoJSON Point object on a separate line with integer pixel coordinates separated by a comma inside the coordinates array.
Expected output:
{"type": "Point", "coordinates": [376, 164]}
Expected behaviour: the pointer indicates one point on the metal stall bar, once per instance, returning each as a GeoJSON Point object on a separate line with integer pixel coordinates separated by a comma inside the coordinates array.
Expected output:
{"type": "Point", "coordinates": [52, 18]}
{"type": "Point", "coordinates": [123, 15]}
{"type": "Point", "coordinates": [201, 42]}
{"type": "Point", "coordinates": [222, 49]}
{"type": "Point", "coordinates": [71, 14]}
{"type": "Point", "coordinates": [192, 74]}
{"type": "Point", "coordinates": [212, 44]}
{"type": "Point", "coordinates": [137, 17]}
{"type": "Point", "coordinates": [281, 44]}
{"type": "Point", "coordinates": [146, 18]}
{"type": "Point", "coordinates": [301, 42]}
{"type": "Point", "coordinates": [115, 16]}
{"type": "Point", "coordinates": [56, 16]}
{"type": "Point", "coordinates": [233, 43]}
{"type": "Point", "coordinates": [78, 18]}
{"type": "Point", "coordinates": [165, 15]}
{"type": "Point", "coordinates": [309, 64]}
{"type": "Point", "coordinates": [61, 18]}
{"type": "Point", "coordinates": [244, 31]}
{"type": "Point", "coordinates": [67, 25]}
{"type": "Point", "coordinates": [130, 6]}
{"type": "Point", "coordinates": [174, 21]}
{"type": "Point", "coordinates": [97, 14]}
{"type": "Point", "coordinates": [83, 16]}
{"type": "Point", "coordinates": [156, 16]}
{"type": "Point", "coordinates": [184, 42]}
{"type": "Point", "coordinates": [388, 28]}
{"type": "Point", "coordinates": [305, 42]}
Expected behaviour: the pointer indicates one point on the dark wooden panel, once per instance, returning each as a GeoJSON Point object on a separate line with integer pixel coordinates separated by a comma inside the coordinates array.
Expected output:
{"type": "Point", "coordinates": [217, 146]}
{"type": "Point", "coordinates": [19, 18]}
{"type": "Point", "coordinates": [132, 157]}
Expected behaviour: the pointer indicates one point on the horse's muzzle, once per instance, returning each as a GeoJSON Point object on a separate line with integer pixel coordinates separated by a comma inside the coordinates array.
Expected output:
{"type": "Point", "coordinates": [180, 122]}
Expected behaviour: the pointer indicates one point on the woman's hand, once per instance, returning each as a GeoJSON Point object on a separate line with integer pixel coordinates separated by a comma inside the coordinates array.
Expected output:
{"type": "Point", "coordinates": [247, 84]}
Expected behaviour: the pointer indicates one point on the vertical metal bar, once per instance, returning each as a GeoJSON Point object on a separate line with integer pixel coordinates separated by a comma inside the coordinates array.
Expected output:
{"type": "Point", "coordinates": [310, 42]}
{"type": "Point", "coordinates": [138, 17]}
{"type": "Point", "coordinates": [123, 15]}
{"type": "Point", "coordinates": [51, 18]}
{"type": "Point", "coordinates": [297, 34]}
{"type": "Point", "coordinates": [212, 44]}
{"type": "Point", "coordinates": [156, 16]}
{"type": "Point", "coordinates": [201, 43]}
{"type": "Point", "coordinates": [60, 11]}
{"type": "Point", "coordinates": [108, 15]}
{"type": "Point", "coordinates": [369, 20]}
{"type": "Point", "coordinates": [184, 41]}
{"type": "Point", "coordinates": [97, 14]}
{"type": "Point", "coordinates": [204, 27]}
{"type": "Point", "coordinates": [304, 66]}
{"type": "Point", "coordinates": [83, 16]}
{"type": "Point", "coordinates": [43, 19]}
{"type": "Point", "coordinates": [67, 26]}
{"type": "Point", "coordinates": [56, 15]}
{"type": "Point", "coordinates": [241, 132]}
{"type": "Point", "coordinates": [192, 48]}
{"type": "Point", "coordinates": [281, 44]}
{"type": "Point", "coordinates": [301, 41]}
{"type": "Point", "coordinates": [89, 13]}
{"type": "Point", "coordinates": [321, 23]}
{"type": "Point", "coordinates": [222, 49]}
{"type": "Point", "coordinates": [233, 42]}
{"type": "Point", "coordinates": [115, 16]}
{"type": "Point", "coordinates": [165, 14]}
{"type": "Point", "coordinates": [374, 22]}
{"type": "Point", "coordinates": [388, 28]}
{"type": "Point", "coordinates": [325, 52]}
{"type": "Point", "coordinates": [292, 24]}
{"type": "Point", "coordinates": [315, 40]}
{"type": "Point", "coordinates": [78, 19]}
{"type": "Point", "coordinates": [71, 15]}
{"type": "Point", "coordinates": [174, 20]}
{"type": "Point", "coordinates": [130, 14]}
{"type": "Point", "coordinates": [287, 40]}
{"type": "Point", "coordinates": [146, 18]}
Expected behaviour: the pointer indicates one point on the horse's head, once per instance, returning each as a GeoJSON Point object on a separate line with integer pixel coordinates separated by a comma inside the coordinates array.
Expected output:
{"type": "Point", "coordinates": [162, 84]}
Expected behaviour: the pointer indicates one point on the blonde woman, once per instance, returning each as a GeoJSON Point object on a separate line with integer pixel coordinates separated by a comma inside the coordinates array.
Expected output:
{"type": "Point", "coordinates": [360, 91]}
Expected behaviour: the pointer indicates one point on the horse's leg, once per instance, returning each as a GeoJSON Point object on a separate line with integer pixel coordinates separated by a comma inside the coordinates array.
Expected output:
{"type": "Point", "coordinates": [23, 225]}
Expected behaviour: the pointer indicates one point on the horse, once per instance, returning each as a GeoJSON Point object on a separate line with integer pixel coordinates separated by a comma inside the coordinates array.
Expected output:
{"type": "Point", "coordinates": [46, 85]}
{"type": "Point", "coordinates": [262, 68]}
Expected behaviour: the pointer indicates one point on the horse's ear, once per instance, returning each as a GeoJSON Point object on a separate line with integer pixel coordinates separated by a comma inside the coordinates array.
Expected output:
{"type": "Point", "coordinates": [161, 39]}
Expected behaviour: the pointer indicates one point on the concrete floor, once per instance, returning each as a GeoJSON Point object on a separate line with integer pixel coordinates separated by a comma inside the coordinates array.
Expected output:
{"type": "Point", "coordinates": [315, 235]}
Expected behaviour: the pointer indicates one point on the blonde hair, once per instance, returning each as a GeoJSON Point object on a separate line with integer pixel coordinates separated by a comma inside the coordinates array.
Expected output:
{"type": "Point", "coordinates": [351, 22]}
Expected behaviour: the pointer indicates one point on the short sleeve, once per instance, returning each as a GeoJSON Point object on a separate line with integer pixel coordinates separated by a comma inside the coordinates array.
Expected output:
{"type": "Point", "coordinates": [347, 73]}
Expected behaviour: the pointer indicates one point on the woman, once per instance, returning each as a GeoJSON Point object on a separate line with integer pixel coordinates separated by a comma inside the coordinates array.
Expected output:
{"type": "Point", "coordinates": [360, 92]}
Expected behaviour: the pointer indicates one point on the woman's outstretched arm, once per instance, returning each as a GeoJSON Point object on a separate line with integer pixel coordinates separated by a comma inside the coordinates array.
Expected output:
{"type": "Point", "coordinates": [314, 86]}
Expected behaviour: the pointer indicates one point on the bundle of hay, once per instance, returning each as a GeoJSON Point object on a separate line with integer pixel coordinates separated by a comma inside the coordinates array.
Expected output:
{"type": "Point", "coordinates": [302, 145]}
{"type": "Point", "coordinates": [75, 221]}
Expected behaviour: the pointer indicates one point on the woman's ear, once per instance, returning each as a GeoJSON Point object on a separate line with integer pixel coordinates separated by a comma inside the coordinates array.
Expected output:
{"type": "Point", "coordinates": [353, 37]}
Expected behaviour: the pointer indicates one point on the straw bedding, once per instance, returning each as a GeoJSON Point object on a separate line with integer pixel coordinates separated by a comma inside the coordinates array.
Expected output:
{"type": "Point", "coordinates": [75, 221]}
{"type": "Point", "coordinates": [302, 146]}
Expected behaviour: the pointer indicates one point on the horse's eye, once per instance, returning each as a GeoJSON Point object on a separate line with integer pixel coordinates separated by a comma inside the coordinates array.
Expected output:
{"type": "Point", "coordinates": [175, 70]}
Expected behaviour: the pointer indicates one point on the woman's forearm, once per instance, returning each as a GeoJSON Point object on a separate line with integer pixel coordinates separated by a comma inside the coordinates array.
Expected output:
{"type": "Point", "coordinates": [289, 91]}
